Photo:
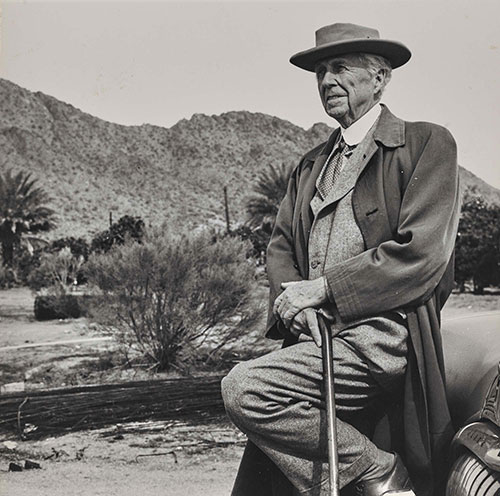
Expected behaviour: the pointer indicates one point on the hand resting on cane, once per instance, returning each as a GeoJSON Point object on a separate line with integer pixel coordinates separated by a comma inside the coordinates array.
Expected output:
{"type": "Point", "coordinates": [297, 306]}
{"type": "Point", "coordinates": [306, 322]}
{"type": "Point", "coordinates": [297, 296]}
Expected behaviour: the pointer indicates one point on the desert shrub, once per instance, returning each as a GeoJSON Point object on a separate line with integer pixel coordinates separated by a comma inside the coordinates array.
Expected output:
{"type": "Point", "coordinates": [126, 227]}
{"type": "Point", "coordinates": [79, 248]}
{"type": "Point", "coordinates": [56, 275]}
{"type": "Point", "coordinates": [259, 239]}
{"type": "Point", "coordinates": [57, 271]}
{"type": "Point", "coordinates": [176, 299]}
{"type": "Point", "coordinates": [28, 259]}
{"type": "Point", "coordinates": [62, 306]}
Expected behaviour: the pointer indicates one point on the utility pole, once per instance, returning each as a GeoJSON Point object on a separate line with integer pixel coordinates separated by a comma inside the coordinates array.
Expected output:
{"type": "Point", "coordinates": [110, 218]}
{"type": "Point", "coordinates": [226, 206]}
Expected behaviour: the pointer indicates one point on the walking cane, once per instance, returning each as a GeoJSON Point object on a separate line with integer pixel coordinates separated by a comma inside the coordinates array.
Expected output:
{"type": "Point", "coordinates": [326, 348]}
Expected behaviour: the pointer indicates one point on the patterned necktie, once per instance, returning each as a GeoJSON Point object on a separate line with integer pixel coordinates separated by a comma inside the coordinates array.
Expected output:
{"type": "Point", "coordinates": [333, 169]}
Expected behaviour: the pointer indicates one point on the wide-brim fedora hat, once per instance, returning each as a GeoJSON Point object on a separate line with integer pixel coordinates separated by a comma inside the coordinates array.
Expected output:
{"type": "Point", "coordinates": [343, 38]}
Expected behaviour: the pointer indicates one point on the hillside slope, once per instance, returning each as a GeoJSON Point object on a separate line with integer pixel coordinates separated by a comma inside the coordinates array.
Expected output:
{"type": "Point", "coordinates": [91, 167]}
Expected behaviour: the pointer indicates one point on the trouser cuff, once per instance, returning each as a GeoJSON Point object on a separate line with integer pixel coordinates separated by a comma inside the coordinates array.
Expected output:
{"type": "Point", "coordinates": [348, 474]}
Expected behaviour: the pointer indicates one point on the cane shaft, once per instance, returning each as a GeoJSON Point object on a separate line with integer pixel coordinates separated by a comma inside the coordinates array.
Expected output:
{"type": "Point", "coordinates": [333, 462]}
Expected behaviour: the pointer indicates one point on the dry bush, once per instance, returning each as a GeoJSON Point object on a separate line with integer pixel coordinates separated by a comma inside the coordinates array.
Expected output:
{"type": "Point", "coordinates": [176, 299]}
{"type": "Point", "coordinates": [57, 272]}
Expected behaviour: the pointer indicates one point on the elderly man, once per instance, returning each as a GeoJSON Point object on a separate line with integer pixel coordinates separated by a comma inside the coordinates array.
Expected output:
{"type": "Point", "coordinates": [364, 235]}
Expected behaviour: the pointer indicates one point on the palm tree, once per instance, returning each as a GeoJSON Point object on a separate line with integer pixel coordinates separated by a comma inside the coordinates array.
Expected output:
{"type": "Point", "coordinates": [23, 211]}
{"type": "Point", "coordinates": [270, 188]}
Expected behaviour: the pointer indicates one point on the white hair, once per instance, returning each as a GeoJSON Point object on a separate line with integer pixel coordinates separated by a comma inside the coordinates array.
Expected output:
{"type": "Point", "coordinates": [375, 64]}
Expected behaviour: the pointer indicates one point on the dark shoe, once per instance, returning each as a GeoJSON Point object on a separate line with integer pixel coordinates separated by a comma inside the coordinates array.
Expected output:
{"type": "Point", "coordinates": [396, 482]}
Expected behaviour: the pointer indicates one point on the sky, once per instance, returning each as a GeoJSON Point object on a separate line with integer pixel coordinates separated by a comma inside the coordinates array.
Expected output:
{"type": "Point", "coordinates": [158, 61]}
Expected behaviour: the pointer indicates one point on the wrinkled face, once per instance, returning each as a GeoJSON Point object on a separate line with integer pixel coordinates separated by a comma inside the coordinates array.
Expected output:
{"type": "Point", "coordinates": [347, 89]}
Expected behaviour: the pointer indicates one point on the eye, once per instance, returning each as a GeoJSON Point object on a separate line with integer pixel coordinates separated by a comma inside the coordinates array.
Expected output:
{"type": "Point", "coordinates": [320, 72]}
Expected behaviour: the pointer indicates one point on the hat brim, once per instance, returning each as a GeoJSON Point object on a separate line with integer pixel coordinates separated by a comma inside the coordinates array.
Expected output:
{"type": "Point", "coordinates": [394, 51]}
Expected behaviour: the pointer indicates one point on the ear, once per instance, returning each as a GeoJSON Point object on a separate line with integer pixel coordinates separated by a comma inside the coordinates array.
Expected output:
{"type": "Point", "coordinates": [379, 81]}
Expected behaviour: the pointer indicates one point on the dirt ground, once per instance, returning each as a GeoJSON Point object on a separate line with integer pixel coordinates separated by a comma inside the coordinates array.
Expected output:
{"type": "Point", "coordinates": [163, 458]}
{"type": "Point", "coordinates": [213, 477]}
{"type": "Point", "coordinates": [169, 458]}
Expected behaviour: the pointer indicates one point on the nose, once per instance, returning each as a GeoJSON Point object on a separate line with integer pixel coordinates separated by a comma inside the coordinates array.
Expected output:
{"type": "Point", "coordinates": [329, 79]}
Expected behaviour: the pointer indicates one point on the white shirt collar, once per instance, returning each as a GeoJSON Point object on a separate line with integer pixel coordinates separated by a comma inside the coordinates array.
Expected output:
{"type": "Point", "coordinates": [354, 134]}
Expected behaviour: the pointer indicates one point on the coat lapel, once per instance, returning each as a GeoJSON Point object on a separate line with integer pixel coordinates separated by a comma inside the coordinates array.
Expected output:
{"type": "Point", "coordinates": [305, 196]}
{"type": "Point", "coordinates": [389, 131]}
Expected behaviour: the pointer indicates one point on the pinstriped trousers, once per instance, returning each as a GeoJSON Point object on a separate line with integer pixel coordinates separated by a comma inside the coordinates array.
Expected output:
{"type": "Point", "coordinates": [276, 400]}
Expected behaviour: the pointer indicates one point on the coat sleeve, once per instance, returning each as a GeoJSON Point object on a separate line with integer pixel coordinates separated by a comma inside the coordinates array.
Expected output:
{"type": "Point", "coordinates": [404, 272]}
{"type": "Point", "coordinates": [281, 260]}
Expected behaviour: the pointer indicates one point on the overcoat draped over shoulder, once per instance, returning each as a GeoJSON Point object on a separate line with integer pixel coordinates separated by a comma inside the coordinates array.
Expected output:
{"type": "Point", "coordinates": [406, 203]}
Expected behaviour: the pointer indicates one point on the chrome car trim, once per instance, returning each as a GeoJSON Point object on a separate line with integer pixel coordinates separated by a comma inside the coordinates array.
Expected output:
{"type": "Point", "coordinates": [482, 439]}
{"type": "Point", "coordinates": [491, 406]}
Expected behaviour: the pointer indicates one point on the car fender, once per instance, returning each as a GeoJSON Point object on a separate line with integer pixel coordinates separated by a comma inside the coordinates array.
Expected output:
{"type": "Point", "coordinates": [471, 347]}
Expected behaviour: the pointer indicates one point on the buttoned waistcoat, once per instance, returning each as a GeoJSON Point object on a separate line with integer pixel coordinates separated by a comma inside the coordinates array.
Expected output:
{"type": "Point", "coordinates": [406, 204]}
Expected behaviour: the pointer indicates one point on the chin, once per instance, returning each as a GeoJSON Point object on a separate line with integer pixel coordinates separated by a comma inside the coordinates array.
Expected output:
{"type": "Point", "coordinates": [337, 114]}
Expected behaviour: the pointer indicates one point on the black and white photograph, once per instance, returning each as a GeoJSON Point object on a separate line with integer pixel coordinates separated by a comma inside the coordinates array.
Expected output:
{"type": "Point", "coordinates": [249, 248]}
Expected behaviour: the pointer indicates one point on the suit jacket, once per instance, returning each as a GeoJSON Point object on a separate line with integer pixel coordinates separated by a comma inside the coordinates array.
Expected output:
{"type": "Point", "coordinates": [406, 203]}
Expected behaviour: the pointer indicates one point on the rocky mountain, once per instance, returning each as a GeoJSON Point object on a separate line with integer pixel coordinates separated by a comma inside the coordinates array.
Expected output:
{"type": "Point", "coordinates": [91, 167]}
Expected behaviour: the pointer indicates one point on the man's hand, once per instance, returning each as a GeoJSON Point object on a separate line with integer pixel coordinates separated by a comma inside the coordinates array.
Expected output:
{"type": "Point", "coordinates": [297, 296]}
{"type": "Point", "coordinates": [306, 322]}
